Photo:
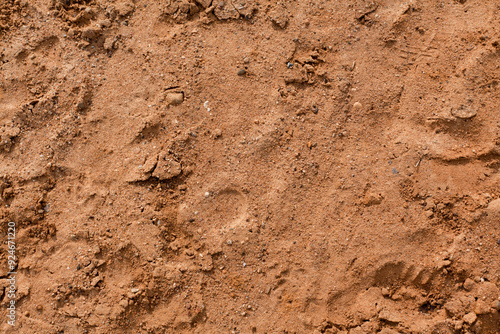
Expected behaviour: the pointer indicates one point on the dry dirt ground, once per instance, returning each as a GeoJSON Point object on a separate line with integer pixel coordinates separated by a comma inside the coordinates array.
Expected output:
{"type": "Point", "coordinates": [251, 166]}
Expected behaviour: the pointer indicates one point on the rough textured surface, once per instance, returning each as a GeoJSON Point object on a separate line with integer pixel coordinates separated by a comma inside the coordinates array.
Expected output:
{"type": "Point", "coordinates": [183, 166]}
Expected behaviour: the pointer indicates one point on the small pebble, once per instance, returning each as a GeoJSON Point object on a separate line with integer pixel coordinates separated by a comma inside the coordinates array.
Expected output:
{"type": "Point", "coordinates": [242, 72]}
{"type": "Point", "coordinates": [464, 112]}
{"type": "Point", "coordinates": [357, 106]}
{"type": "Point", "coordinates": [469, 284]}
{"type": "Point", "coordinates": [174, 98]}
{"type": "Point", "coordinates": [470, 318]}
{"type": "Point", "coordinates": [459, 324]}
{"type": "Point", "coordinates": [289, 65]}
{"type": "Point", "coordinates": [217, 133]}
{"type": "Point", "coordinates": [80, 106]}
{"type": "Point", "coordinates": [481, 307]}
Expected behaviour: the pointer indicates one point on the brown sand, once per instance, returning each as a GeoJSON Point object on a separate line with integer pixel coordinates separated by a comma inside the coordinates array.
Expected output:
{"type": "Point", "coordinates": [243, 166]}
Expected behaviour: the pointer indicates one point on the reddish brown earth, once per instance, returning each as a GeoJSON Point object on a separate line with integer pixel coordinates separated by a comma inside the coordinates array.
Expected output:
{"type": "Point", "coordinates": [244, 166]}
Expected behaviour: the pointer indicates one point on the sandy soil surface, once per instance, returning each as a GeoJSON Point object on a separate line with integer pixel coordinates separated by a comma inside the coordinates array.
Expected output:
{"type": "Point", "coordinates": [244, 166]}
